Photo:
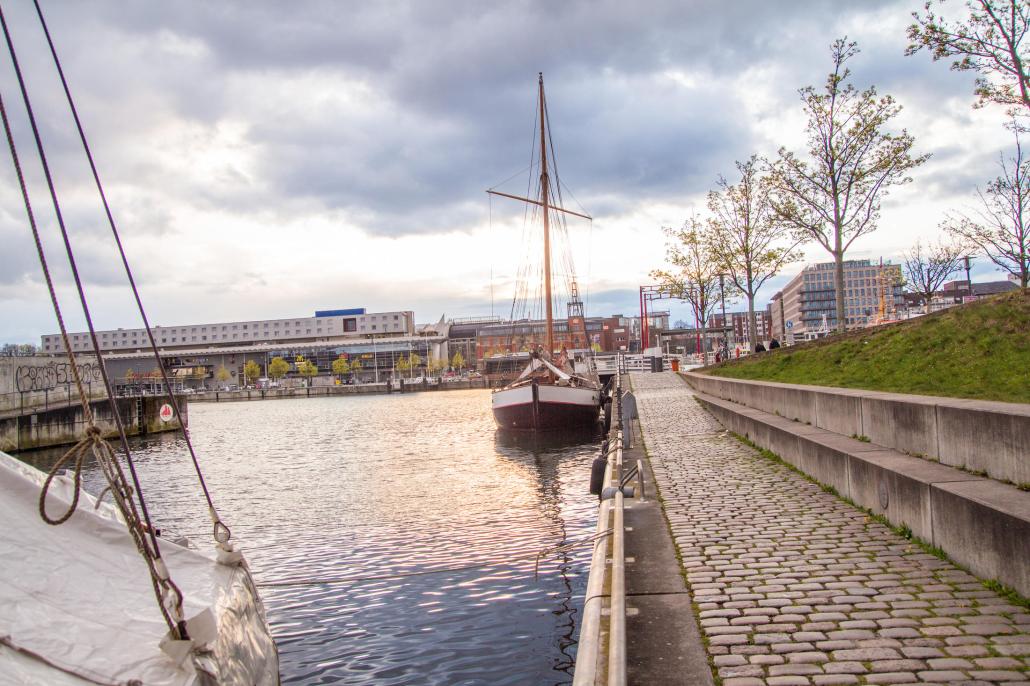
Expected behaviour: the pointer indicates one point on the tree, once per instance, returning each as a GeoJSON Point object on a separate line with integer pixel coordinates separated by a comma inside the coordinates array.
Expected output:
{"type": "Point", "coordinates": [355, 367]}
{"type": "Point", "coordinates": [1000, 227]}
{"type": "Point", "coordinates": [251, 371]}
{"type": "Point", "coordinates": [458, 361]}
{"type": "Point", "coordinates": [745, 236]}
{"type": "Point", "coordinates": [988, 41]}
{"type": "Point", "coordinates": [340, 366]}
{"type": "Point", "coordinates": [222, 374]}
{"type": "Point", "coordinates": [306, 368]}
{"type": "Point", "coordinates": [927, 269]}
{"type": "Point", "coordinates": [436, 364]}
{"type": "Point", "coordinates": [402, 364]}
{"type": "Point", "coordinates": [834, 198]}
{"type": "Point", "coordinates": [414, 360]}
{"type": "Point", "coordinates": [695, 277]}
{"type": "Point", "coordinates": [278, 368]}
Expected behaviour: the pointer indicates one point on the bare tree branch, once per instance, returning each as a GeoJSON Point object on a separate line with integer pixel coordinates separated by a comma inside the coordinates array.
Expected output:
{"type": "Point", "coordinates": [999, 227]}
{"type": "Point", "coordinates": [926, 269]}
{"type": "Point", "coordinates": [745, 237]}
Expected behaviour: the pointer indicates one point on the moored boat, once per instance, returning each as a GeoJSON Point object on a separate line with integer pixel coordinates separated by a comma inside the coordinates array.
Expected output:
{"type": "Point", "coordinates": [550, 395]}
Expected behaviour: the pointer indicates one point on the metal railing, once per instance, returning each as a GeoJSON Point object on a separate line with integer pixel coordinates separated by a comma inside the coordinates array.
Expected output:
{"type": "Point", "coordinates": [591, 667]}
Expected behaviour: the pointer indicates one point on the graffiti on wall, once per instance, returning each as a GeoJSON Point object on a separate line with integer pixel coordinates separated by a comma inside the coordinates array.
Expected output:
{"type": "Point", "coordinates": [49, 376]}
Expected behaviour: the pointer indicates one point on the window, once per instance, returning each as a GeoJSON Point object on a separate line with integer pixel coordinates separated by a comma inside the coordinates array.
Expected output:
{"type": "Point", "coordinates": [351, 325]}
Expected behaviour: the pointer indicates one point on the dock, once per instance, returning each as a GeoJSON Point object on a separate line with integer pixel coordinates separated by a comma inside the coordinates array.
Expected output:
{"type": "Point", "coordinates": [755, 574]}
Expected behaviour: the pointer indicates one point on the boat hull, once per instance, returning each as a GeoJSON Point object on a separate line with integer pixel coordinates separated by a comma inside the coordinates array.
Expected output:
{"type": "Point", "coordinates": [545, 407]}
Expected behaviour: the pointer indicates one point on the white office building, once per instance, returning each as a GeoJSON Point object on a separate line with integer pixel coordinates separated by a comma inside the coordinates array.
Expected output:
{"type": "Point", "coordinates": [326, 326]}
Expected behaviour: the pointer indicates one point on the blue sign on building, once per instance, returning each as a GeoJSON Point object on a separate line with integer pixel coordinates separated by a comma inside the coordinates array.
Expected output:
{"type": "Point", "coordinates": [340, 313]}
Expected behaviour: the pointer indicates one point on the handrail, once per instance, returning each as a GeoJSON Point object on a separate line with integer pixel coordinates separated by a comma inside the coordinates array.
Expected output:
{"type": "Point", "coordinates": [590, 667]}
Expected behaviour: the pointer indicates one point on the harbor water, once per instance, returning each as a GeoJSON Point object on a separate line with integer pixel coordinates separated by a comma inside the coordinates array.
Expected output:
{"type": "Point", "coordinates": [406, 525]}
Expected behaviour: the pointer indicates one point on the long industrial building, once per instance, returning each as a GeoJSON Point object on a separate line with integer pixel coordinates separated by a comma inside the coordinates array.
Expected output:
{"type": "Point", "coordinates": [326, 326]}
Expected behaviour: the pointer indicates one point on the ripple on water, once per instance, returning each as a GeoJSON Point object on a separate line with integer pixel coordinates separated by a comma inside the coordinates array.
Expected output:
{"type": "Point", "coordinates": [386, 486]}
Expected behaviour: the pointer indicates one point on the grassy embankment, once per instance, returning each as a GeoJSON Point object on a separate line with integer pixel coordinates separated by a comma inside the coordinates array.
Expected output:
{"type": "Point", "coordinates": [980, 350]}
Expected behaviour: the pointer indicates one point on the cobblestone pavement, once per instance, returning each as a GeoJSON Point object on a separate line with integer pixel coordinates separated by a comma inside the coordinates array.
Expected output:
{"type": "Point", "coordinates": [795, 586]}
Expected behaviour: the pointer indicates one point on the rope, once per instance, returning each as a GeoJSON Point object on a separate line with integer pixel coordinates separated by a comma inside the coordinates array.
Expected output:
{"type": "Point", "coordinates": [222, 534]}
{"type": "Point", "coordinates": [168, 594]}
{"type": "Point", "coordinates": [538, 556]}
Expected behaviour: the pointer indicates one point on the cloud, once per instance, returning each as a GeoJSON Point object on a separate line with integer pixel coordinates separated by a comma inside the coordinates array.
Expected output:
{"type": "Point", "coordinates": [241, 144]}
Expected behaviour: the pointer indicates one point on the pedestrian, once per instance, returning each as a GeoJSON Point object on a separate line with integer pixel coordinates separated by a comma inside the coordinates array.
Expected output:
{"type": "Point", "coordinates": [773, 344]}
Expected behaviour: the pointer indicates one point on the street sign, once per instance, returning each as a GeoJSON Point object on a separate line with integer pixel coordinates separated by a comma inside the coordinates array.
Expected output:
{"type": "Point", "coordinates": [789, 324]}
{"type": "Point", "coordinates": [166, 413]}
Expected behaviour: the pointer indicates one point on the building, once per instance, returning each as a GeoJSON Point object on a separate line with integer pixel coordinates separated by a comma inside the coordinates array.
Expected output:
{"type": "Point", "coordinates": [325, 327]}
{"type": "Point", "coordinates": [955, 293]}
{"type": "Point", "coordinates": [526, 334]}
{"type": "Point", "coordinates": [740, 327]}
{"type": "Point", "coordinates": [807, 305]}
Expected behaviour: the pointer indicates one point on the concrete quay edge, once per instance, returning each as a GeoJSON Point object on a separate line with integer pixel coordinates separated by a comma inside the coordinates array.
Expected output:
{"type": "Point", "coordinates": [976, 435]}
{"type": "Point", "coordinates": [980, 523]}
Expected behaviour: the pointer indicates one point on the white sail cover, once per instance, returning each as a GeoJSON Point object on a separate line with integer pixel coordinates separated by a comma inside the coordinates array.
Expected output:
{"type": "Point", "coordinates": [77, 605]}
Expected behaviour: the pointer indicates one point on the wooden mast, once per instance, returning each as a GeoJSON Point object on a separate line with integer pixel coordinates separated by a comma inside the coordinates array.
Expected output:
{"type": "Point", "coordinates": [547, 227]}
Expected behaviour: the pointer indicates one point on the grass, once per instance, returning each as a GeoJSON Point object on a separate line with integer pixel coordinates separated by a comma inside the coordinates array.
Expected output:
{"type": "Point", "coordinates": [980, 350]}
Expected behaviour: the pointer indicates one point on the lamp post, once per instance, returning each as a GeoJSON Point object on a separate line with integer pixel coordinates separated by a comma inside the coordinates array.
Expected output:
{"type": "Point", "coordinates": [375, 359]}
{"type": "Point", "coordinates": [969, 283]}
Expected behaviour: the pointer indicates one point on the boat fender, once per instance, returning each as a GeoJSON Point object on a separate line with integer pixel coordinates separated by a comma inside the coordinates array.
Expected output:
{"type": "Point", "coordinates": [597, 475]}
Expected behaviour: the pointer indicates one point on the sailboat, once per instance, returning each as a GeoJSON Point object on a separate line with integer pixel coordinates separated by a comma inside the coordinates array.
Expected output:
{"type": "Point", "coordinates": [97, 595]}
{"type": "Point", "coordinates": [551, 394]}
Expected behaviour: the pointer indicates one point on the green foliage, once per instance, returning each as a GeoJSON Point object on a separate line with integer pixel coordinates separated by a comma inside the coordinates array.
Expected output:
{"type": "Point", "coordinates": [355, 366]}
{"type": "Point", "coordinates": [341, 366]}
{"type": "Point", "coordinates": [980, 350]}
{"type": "Point", "coordinates": [414, 360]}
{"type": "Point", "coordinates": [458, 361]}
{"type": "Point", "coordinates": [987, 42]}
{"type": "Point", "coordinates": [251, 371]}
{"type": "Point", "coordinates": [306, 368]}
{"type": "Point", "coordinates": [278, 368]}
{"type": "Point", "coordinates": [402, 364]}
{"type": "Point", "coordinates": [222, 374]}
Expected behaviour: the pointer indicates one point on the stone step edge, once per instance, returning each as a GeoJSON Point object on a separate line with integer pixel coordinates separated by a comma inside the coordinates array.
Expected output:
{"type": "Point", "coordinates": [980, 523]}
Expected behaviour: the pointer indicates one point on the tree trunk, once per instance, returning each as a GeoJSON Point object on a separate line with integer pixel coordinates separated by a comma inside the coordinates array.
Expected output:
{"type": "Point", "coordinates": [838, 257]}
{"type": "Point", "coordinates": [752, 324]}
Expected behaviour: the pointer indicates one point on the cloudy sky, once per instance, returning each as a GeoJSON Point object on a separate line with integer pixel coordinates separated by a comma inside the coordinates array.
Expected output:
{"type": "Point", "coordinates": [266, 159]}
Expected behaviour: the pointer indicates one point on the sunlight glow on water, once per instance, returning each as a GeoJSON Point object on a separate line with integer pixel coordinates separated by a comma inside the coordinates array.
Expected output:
{"type": "Point", "coordinates": [378, 486]}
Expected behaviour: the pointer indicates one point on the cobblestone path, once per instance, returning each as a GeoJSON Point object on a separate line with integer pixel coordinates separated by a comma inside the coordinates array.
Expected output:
{"type": "Point", "coordinates": [795, 586]}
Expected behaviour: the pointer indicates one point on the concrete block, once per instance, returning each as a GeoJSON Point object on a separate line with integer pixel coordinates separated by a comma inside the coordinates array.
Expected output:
{"type": "Point", "coordinates": [985, 525]}
{"type": "Point", "coordinates": [898, 487]}
{"type": "Point", "coordinates": [907, 424]}
{"type": "Point", "coordinates": [966, 427]}
{"type": "Point", "coordinates": [839, 411]}
{"type": "Point", "coordinates": [824, 457]}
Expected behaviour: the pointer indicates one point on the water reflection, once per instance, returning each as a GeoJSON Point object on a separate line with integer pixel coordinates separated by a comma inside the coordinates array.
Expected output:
{"type": "Point", "coordinates": [399, 495]}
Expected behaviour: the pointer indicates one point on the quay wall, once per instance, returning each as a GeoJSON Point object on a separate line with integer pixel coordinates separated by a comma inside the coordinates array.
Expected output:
{"type": "Point", "coordinates": [344, 389]}
{"type": "Point", "coordinates": [45, 382]}
{"type": "Point", "coordinates": [979, 436]}
{"type": "Point", "coordinates": [42, 428]}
